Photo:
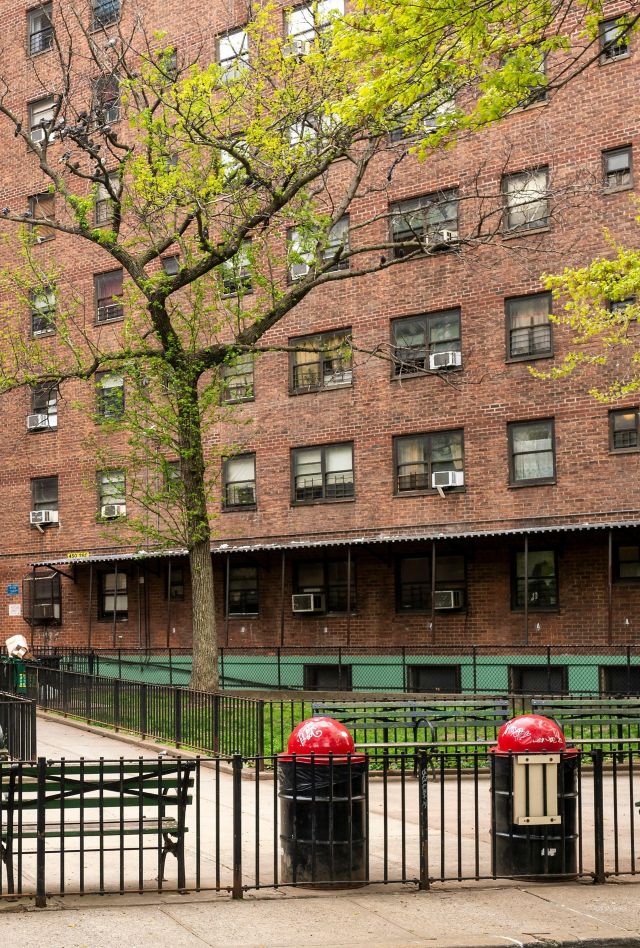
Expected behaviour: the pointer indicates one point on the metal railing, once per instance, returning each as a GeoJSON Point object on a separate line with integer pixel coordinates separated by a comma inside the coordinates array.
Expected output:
{"type": "Point", "coordinates": [18, 725]}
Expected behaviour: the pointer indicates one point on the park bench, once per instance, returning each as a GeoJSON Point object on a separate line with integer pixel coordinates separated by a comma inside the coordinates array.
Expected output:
{"type": "Point", "coordinates": [445, 724]}
{"type": "Point", "coordinates": [62, 795]}
{"type": "Point", "coordinates": [587, 720]}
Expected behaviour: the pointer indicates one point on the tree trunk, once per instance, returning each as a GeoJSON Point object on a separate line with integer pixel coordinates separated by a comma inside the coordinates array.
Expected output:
{"type": "Point", "coordinates": [204, 674]}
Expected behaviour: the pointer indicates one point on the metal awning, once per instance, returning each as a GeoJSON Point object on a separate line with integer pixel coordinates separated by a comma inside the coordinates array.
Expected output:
{"type": "Point", "coordinates": [243, 545]}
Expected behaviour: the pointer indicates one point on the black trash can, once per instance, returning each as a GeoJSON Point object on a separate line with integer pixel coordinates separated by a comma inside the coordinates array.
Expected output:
{"type": "Point", "coordinates": [323, 820]}
{"type": "Point", "coordinates": [534, 801]}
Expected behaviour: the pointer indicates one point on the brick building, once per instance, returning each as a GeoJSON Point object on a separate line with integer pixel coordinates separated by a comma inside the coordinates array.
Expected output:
{"type": "Point", "coordinates": [439, 496]}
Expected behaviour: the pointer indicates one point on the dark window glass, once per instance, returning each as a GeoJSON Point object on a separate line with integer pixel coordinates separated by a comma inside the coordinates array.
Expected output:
{"type": "Point", "coordinates": [429, 341]}
{"type": "Point", "coordinates": [614, 40]}
{"type": "Point", "coordinates": [240, 481]}
{"type": "Point", "coordinates": [328, 579]}
{"type": "Point", "coordinates": [428, 461]}
{"type": "Point", "coordinates": [44, 403]}
{"type": "Point", "coordinates": [327, 677]}
{"type": "Point", "coordinates": [236, 272]}
{"type": "Point", "coordinates": [104, 13]}
{"type": "Point", "coordinates": [617, 169]}
{"type": "Point", "coordinates": [110, 396]}
{"type": "Point", "coordinates": [434, 678]}
{"type": "Point", "coordinates": [627, 562]}
{"type": "Point", "coordinates": [323, 361]}
{"type": "Point", "coordinates": [113, 595]}
{"type": "Point", "coordinates": [40, 29]}
{"type": "Point", "coordinates": [538, 679]}
{"type": "Point", "coordinates": [108, 290]}
{"type": "Point", "coordinates": [243, 591]}
{"type": "Point", "coordinates": [323, 473]}
{"type": "Point", "coordinates": [238, 378]}
{"type": "Point", "coordinates": [623, 429]}
{"type": "Point", "coordinates": [526, 200]}
{"type": "Point", "coordinates": [106, 100]}
{"type": "Point", "coordinates": [543, 580]}
{"type": "Point", "coordinates": [44, 493]}
{"type": "Point", "coordinates": [42, 598]}
{"type": "Point", "coordinates": [413, 589]}
{"type": "Point", "coordinates": [620, 679]}
{"type": "Point", "coordinates": [532, 453]}
{"type": "Point", "coordinates": [529, 333]}
{"type": "Point", "coordinates": [175, 583]}
{"type": "Point", "coordinates": [424, 223]}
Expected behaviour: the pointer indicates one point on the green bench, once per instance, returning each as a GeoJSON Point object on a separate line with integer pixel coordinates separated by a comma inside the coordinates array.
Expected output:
{"type": "Point", "coordinates": [612, 721]}
{"type": "Point", "coordinates": [63, 795]}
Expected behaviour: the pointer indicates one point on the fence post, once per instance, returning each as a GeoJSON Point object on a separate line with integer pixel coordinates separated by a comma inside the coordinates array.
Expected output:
{"type": "Point", "coordinates": [87, 698]}
{"type": "Point", "coordinates": [119, 663]}
{"type": "Point", "coordinates": [423, 884]}
{"type": "Point", "coordinates": [116, 704]}
{"type": "Point", "coordinates": [237, 892]}
{"type": "Point", "coordinates": [260, 736]}
{"type": "Point", "coordinates": [143, 709]}
{"type": "Point", "coordinates": [598, 817]}
{"type": "Point", "coordinates": [474, 659]}
{"type": "Point", "coordinates": [216, 724]}
{"type": "Point", "coordinates": [404, 667]}
{"type": "Point", "coordinates": [222, 668]}
{"type": "Point", "coordinates": [170, 668]}
{"type": "Point", "coordinates": [278, 654]}
{"type": "Point", "coordinates": [177, 716]}
{"type": "Point", "coordinates": [41, 894]}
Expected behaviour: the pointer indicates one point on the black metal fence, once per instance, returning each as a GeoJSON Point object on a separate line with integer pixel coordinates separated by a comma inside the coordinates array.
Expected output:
{"type": "Point", "coordinates": [18, 726]}
{"type": "Point", "coordinates": [488, 669]}
{"type": "Point", "coordinates": [225, 824]}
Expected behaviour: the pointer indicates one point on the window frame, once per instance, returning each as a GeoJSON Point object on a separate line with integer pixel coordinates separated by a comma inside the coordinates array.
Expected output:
{"type": "Point", "coordinates": [102, 112]}
{"type": "Point", "coordinates": [607, 49]}
{"type": "Point", "coordinates": [102, 24]}
{"type": "Point", "coordinates": [42, 232]}
{"type": "Point", "coordinates": [323, 473]}
{"type": "Point", "coordinates": [537, 481]}
{"type": "Point", "coordinates": [107, 615]}
{"type": "Point", "coordinates": [610, 153]}
{"type": "Point", "coordinates": [313, 33]}
{"type": "Point", "coordinates": [226, 483]}
{"type": "Point", "coordinates": [344, 676]}
{"type": "Point", "coordinates": [456, 669]}
{"type": "Point", "coordinates": [44, 10]}
{"type": "Point", "coordinates": [425, 608]}
{"type": "Point", "coordinates": [48, 123]}
{"type": "Point", "coordinates": [325, 562]}
{"type": "Point", "coordinates": [532, 606]}
{"type": "Point", "coordinates": [325, 358]}
{"type": "Point", "coordinates": [111, 498]}
{"type": "Point", "coordinates": [515, 670]}
{"type": "Point", "coordinates": [529, 226]}
{"type": "Point", "coordinates": [42, 313]}
{"type": "Point", "coordinates": [612, 432]}
{"type": "Point", "coordinates": [48, 406]}
{"type": "Point", "coordinates": [236, 273]}
{"type": "Point", "coordinates": [428, 435]}
{"type": "Point", "coordinates": [227, 374]}
{"type": "Point", "coordinates": [172, 583]}
{"type": "Point", "coordinates": [228, 614]}
{"type": "Point", "coordinates": [508, 315]}
{"type": "Point", "coordinates": [631, 542]}
{"type": "Point", "coordinates": [429, 317]}
{"type": "Point", "coordinates": [103, 415]}
{"type": "Point", "coordinates": [425, 202]}
{"type": "Point", "coordinates": [117, 307]}
{"type": "Point", "coordinates": [235, 63]}
{"type": "Point", "coordinates": [53, 503]}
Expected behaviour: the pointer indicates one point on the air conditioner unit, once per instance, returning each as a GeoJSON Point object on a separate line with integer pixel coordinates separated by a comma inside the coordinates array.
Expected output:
{"type": "Point", "coordinates": [46, 610]}
{"type": "Point", "coordinates": [448, 599]}
{"type": "Point", "coordinates": [109, 511]}
{"type": "Point", "coordinates": [447, 235]}
{"type": "Point", "coordinates": [447, 479]}
{"type": "Point", "coordinates": [298, 270]}
{"type": "Point", "coordinates": [450, 359]}
{"type": "Point", "coordinates": [245, 495]}
{"type": "Point", "coordinates": [35, 422]}
{"type": "Point", "coordinates": [43, 516]}
{"type": "Point", "coordinates": [300, 47]}
{"type": "Point", "coordinates": [307, 602]}
{"type": "Point", "coordinates": [38, 135]}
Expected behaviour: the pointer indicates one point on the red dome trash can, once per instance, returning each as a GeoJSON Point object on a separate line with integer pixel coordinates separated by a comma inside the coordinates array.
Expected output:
{"type": "Point", "coordinates": [322, 787]}
{"type": "Point", "coordinates": [534, 801]}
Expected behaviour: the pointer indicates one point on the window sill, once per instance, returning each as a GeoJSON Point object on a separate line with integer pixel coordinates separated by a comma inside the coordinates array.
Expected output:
{"type": "Point", "coordinates": [242, 615]}
{"type": "Point", "coordinates": [43, 430]}
{"type": "Point", "coordinates": [519, 610]}
{"type": "Point", "coordinates": [543, 482]}
{"type": "Point", "coordinates": [514, 360]}
{"type": "Point", "coordinates": [239, 508]}
{"type": "Point", "coordinates": [38, 53]}
{"type": "Point", "coordinates": [314, 390]}
{"type": "Point", "coordinates": [427, 612]}
{"type": "Point", "coordinates": [609, 60]}
{"type": "Point", "coordinates": [429, 492]}
{"type": "Point", "coordinates": [108, 322]}
{"type": "Point", "coordinates": [525, 232]}
{"type": "Point", "coordinates": [614, 451]}
{"type": "Point", "coordinates": [622, 188]}
{"type": "Point", "coordinates": [425, 373]}
{"type": "Point", "coordinates": [322, 501]}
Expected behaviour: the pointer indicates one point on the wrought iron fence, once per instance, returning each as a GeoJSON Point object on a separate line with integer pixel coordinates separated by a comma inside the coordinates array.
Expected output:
{"type": "Point", "coordinates": [17, 726]}
{"type": "Point", "coordinates": [227, 824]}
{"type": "Point", "coordinates": [490, 669]}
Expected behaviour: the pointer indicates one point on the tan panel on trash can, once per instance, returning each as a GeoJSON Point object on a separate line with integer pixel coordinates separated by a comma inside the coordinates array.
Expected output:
{"type": "Point", "coordinates": [540, 772]}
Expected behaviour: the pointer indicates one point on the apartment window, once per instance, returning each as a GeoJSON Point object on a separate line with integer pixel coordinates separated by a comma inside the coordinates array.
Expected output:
{"type": "Point", "coordinates": [41, 115]}
{"type": "Point", "coordinates": [301, 250]}
{"type": "Point", "coordinates": [105, 197]}
{"type": "Point", "coordinates": [171, 264]}
{"type": "Point", "coordinates": [443, 679]}
{"type": "Point", "coordinates": [614, 40]}
{"type": "Point", "coordinates": [323, 473]}
{"type": "Point", "coordinates": [337, 245]}
{"type": "Point", "coordinates": [44, 405]}
{"type": "Point", "coordinates": [233, 53]}
{"type": "Point", "coordinates": [44, 493]}
{"type": "Point", "coordinates": [40, 21]}
{"type": "Point", "coordinates": [238, 378]}
{"type": "Point", "coordinates": [413, 583]}
{"type": "Point", "coordinates": [531, 451]}
{"type": "Point", "coordinates": [623, 429]}
{"type": "Point", "coordinates": [42, 208]}
{"type": "Point", "coordinates": [104, 13]}
{"type": "Point", "coordinates": [43, 312]}
{"type": "Point", "coordinates": [526, 200]}
{"type": "Point", "coordinates": [542, 586]}
{"type": "Point", "coordinates": [413, 125]}
{"type": "Point", "coordinates": [324, 677]}
{"type": "Point", "coordinates": [426, 460]}
{"type": "Point", "coordinates": [618, 306]}
{"type": "Point", "coordinates": [323, 361]}
{"type": "Point", "coordinates": [538, 679]}
{"type": "Point", "coordinates": [300, 254]}
{"type": "Point", "coordinates": [106, 100]}
{"type": "Point", "coordinates": [42, 598]}
{"type": "Point", "coordinates": [617, 169]}
{"type": "Point", "coordinates": [424, 223]}
{"type": "Point", "coordinates": [305, 23]}
{"type": "Point", "coordinates": [620, 679]}
{"type": "Point", "coordinates": [416, 339]}
{"type": "Point", "coordinates": [535, 61]}
{"type": "Point", "coordinates": [627, 562]}
{"type": "Point", "coordinates": [529, 333]}
{"type": "Point", "coordinates": [236, 272]}
{"type": "Point", "coordinates": [113, 595]}
{"type": "Point", "coordinates": [174, 587]}
{"type": "Point", "coordinates": [244, 598]}
{"type": "Point", "coordinates": [111, 493]}
{"type": "Point", "coordinates": [172, 475]}
{"type": "Point", "coordinates": [328, 580]}
{"type": "Point", "coordinates": [239, 476]}
{"type": "Point", "coordinates": [108, 292]}
{"type": "Point", "coordinates": [110, 396]}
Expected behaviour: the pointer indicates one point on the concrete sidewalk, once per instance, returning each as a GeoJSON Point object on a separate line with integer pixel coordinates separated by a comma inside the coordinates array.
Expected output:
{"type": "Point", "coordinates": [463, 917]}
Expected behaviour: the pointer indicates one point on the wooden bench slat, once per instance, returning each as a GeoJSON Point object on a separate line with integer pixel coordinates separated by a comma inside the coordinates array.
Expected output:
{"type": "Point", "coordinates": [107, 828]}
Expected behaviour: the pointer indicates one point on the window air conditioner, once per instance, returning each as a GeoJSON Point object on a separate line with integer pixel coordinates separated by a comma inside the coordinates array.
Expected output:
{"type": "Point", "coordinates": [451, 359]}
{"type": "Point", "coordinates": [307, 602]}
{"type": "Point", "coordinates": [448, 598]}
{"type": "Point", "coordinates": [245, 495]}
{"type": "Point", "coordinates": [43, 516]}
{"type": "Point", "coordinates": [37, 135]}
{"type": "Point", "coordinates": [109, 511]}
{"type": "Point", "coordinates": [300, 47]}
{"type": "Point", "coordinates": [447, 479]}
{"type": "Point", "coordinates": [36, 422]}
{"type": "Point", "coordinates": [298, 270]}
{"type": "Point", "coordinates": [448, 235]}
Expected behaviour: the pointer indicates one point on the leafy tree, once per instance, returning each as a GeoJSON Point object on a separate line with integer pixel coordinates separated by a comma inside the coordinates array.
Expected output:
{"type": "Point", "coordinates": [217, 191]}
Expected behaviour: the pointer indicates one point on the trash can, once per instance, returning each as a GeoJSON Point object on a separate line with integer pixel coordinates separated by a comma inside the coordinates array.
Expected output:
{"type": "Point", "coordinates": [322, 786]}
{"type": "Point", "coordinates": [534, 800]}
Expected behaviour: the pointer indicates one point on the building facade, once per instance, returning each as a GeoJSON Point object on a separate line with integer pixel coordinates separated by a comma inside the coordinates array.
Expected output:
{"type": "Point", "coordinates": [423, 489]}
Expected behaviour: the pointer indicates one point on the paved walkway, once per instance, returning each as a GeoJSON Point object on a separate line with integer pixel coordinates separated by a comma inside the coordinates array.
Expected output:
{"type": "Point", "coordinates": [464, 916]}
